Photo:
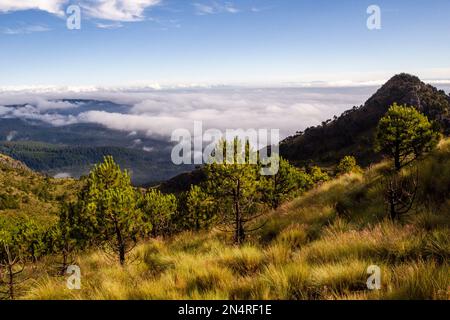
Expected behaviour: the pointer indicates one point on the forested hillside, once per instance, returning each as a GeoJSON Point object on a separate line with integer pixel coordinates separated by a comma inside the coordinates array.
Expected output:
{"type": "Point", "coordinates": [317, 246]}
{"type": "Point", "coordinates": [76, 161]}
{"type": "Point", "coordinates": [353, 131]}
{"type": "Point", "coordinates": [27, 194]}
{"type": "Point", "coordinates": [73, 149]}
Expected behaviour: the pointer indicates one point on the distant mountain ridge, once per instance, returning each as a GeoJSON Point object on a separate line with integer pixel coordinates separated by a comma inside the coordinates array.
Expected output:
{"type": "Point", "coordinates": [75, 161]}
{"type": "Point", "coordinates": [352, 132]}
{"type": "Point", "coordinates": [72, 149]}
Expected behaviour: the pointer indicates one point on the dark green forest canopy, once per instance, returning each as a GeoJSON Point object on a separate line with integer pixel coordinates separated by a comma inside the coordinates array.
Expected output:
{"type": "Point", "coordinates": [146, 167]}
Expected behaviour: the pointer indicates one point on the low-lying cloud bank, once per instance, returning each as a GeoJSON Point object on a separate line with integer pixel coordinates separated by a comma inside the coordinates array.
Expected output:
{"type": "Point", "coordinates": [160, 112]}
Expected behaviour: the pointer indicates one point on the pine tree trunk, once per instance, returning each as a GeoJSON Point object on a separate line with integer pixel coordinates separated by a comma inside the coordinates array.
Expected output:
{"type": "Point", "coordinates": [10, 281]}
{"type": "Point", "coordinates": [239, 227]}
{"type": "Point", "coordinates": [393, 212]}
{"type": "Point", "coordinates": [122, 255]}
{"type": "Point", "coordinates": [120, 245]}
{"type": "Point", "coordinates": [398, 166]}
{"type": "Point", "coordinates": [397, 163]}
{"type": "Point", "coordinates": [64, 263]}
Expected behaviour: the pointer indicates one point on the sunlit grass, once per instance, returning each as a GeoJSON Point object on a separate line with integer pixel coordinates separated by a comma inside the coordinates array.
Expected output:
{"type": "Point", "coordinates": [306, 250]}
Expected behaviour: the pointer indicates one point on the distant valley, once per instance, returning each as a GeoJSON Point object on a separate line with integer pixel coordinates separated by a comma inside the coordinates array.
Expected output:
{"type": "Point", "coordinates": [66, 137]}
{"type": "Point", "coordinates": [71, 150]}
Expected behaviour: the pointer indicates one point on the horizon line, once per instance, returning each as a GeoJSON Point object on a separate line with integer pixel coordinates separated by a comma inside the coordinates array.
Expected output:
{"type": "Point", "coordinates": [154, 86]}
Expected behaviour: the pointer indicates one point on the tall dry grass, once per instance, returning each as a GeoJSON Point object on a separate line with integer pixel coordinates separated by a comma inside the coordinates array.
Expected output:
{"type": "Point", "coordinates": [307, 250]}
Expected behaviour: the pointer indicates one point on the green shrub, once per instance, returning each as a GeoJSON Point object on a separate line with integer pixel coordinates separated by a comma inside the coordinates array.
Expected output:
{"type": "Point", "coordinates": [8, 202]}
{"type": "Point", "coordinates": [347, 165]}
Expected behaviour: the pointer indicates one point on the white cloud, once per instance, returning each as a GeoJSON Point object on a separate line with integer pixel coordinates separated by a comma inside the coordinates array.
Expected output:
{"type": "Point", "coordinates": [46, 105]}
{"type": "Point", "coordinates": [24, 29]}
{"type": "Point", "coordinates": [117, 10]}
{"type": "Point", "coordinates": [115, 25]}
{"type": "Point", "coordinates": [38, 109]}
{"type": "Point", "coordinates": [158, 112]}
{"type": "Point", "coordinates": [51, 6]}
{"type": "Point", "coordinates": [152, 125]}
{"type": "Point", "coordinates": [11, 135]}
{"type": "Point", "coordinates": [214, 8]}
{"type": "Point", "coordinates": [256, 9]}
{"type": "Point", "coordinates": [36, 103]}
{"type": "Point", "coordinates": [111, 10]}
{"type": "Point", "coordinates": [30, 112]}
{"type": "Point", "coordinates": [4, 110]}
{"type": "Point", "coordinates": [203, 9]}
{"type": "Point", "coordinates": [62, 175]}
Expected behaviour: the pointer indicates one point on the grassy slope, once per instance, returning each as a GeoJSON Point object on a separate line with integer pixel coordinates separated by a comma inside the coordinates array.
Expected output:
{"type": "Point", "coordinates": [35, 196]}
{"type": "Point", "coordinates": [305, 251]}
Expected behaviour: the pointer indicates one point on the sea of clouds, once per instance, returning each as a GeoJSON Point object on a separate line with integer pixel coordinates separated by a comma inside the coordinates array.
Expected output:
{"type": "Point", "coordinates": [158, 112]}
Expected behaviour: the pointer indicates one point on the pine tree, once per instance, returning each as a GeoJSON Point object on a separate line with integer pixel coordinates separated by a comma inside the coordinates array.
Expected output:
{"type": "Point", "coordinates": [286, 183]}
{"type": "Point", "coordinates": [234, 185]}
{"type": "Point", "coordinates": [16, 239]}
{"type": "Point", "coordinates": [67, 235]}
{"type": "Point", "coordinates": [158, 211]}
{"type": "Point", "coordinates": [404, 134]}
{"type": "Point", "coordinates": [109, 207]}
{"type": "Point", "coordinates": [200, 209]}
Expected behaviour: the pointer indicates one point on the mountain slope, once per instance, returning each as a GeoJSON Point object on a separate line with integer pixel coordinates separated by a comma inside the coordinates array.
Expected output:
{"type": "Point", "coordinates": [307, 250]}
{"type": "Point", "coordinates": [353, 131]}
{"type": "Point", "coordinates": [25, 193]}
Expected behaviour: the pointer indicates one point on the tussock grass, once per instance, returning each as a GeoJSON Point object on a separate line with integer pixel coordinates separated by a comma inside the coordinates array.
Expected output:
{"type": "Point", "coordinates": [244, 261]}
{"type": "Point", "coordinates": [385, 241]}
{"type": "Point", "coordinates": [317, 246]}
{"type": "Point", "coordinates": [294, 236]}
{"type": "Point", "coordinates": [420, 280]}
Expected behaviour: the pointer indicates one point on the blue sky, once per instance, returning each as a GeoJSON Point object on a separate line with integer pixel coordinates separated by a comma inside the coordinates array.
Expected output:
{"type": "Point", "coordinates": [220, 42]}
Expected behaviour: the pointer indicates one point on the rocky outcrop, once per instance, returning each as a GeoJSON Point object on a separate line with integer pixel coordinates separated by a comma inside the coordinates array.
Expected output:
{"type": "Point", "coordinates": [10, 163]}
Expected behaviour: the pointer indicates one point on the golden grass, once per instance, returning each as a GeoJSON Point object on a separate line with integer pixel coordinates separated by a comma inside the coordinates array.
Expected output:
{"type": "Point", "coordinates": [305, 251]}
